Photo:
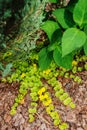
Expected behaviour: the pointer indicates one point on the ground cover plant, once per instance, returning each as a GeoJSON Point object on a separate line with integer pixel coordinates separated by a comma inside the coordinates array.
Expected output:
{"type": "Point", "coordinates": [64, 56]}
{"type": "Point", "coordinates": [31, 78]}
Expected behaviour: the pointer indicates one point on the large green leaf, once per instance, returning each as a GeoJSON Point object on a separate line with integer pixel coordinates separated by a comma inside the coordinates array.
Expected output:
{"type": "Point", "coordinates": [49, 27]}
{"type": "Point", "coordinates": [45, 58]}
{"type": "Point", "coordinates": [64, 17]}
{"type": "Point", "coordinates": [65, 62]}
{"type": "Point", "coordinates": [80, 12]}
{"type": "Point", "coordinates": [72, 39]}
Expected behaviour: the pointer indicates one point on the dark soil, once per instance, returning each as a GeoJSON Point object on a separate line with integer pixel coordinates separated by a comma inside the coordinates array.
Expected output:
{"type": "Point", "coordinates": [76, 118]}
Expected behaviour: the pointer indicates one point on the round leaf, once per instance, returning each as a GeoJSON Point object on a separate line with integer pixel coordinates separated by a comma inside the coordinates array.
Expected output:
{"type": "Point", "coordinates": [72, 39]}
{"type": "Point", "coordinates": [50, 27]}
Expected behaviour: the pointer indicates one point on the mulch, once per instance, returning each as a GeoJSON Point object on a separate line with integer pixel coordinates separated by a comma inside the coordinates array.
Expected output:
{"type": "Point", "coordinates": [76, 118]}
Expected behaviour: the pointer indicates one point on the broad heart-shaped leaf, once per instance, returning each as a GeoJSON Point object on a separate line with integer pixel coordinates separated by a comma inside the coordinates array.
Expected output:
{"type": "Point", "coordinates": [45, 58]}
{"type": "Point", "coordinates": [80, 12]}
{"type": "Point", "coordinates": [72, 39]}
{"type": "Point", "coordinates": [65, 62]}
{"type": "Point", "coordinates": [64, 17]}
{"type": "Point", "coordinates": [49, 27]}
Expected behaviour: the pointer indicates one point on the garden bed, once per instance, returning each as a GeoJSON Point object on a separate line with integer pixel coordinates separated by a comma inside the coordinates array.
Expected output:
{"type": "Point", "coordinates": [76, 118]}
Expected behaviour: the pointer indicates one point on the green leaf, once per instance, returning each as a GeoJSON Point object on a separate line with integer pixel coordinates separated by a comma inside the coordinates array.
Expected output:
{"type": "Point", "coordinates": [80, 12]}
{"type": "Point", "coordinates": [85, 48]}
{"type": "Point", "coordinates": [64, 17]}
{"type": "Point", "coordinates": [7, 14]}
{"type": "Point", "coordinates": [85, 45]}
{"type": "Point", "coordinates": [71, 5]}
{"type": "Point", "coordinates": [57, 36]}
{"type": "Point", "coordinates": [85, 29]}
{"type": "Point", "coordinates": [72, 39]}
{"type": "Point", "coordinates": [32, 110]}
{"type": "Point", "coordinates": [45, 58]}
{"type": "Point", "coordinates": [72, 105]}
{"type": "Point", "coordinates": [65, 62]}
{"type": "Point", "coordinates": [53, 1]}
{"type": "Point", "coordinates": [49, 27]}
{"type": "Point", "coordinates": [7, 70]}
{"type": "Point", "coordinates": [31, 118]}
{"type": "Point", "coordinates": [51, 47]}
{"type": "Point", "coordinates": [56, 39]}
{"type": "Point", "coordinates": [67, 101]}
{"type": "Point", "coordinates": [63, 126]}
{"type": "Point", "coordinates": [1, 66]}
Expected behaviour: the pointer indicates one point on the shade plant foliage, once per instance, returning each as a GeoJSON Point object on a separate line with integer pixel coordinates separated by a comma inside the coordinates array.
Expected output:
{"type": "Point", "coordinates": [67, 34]}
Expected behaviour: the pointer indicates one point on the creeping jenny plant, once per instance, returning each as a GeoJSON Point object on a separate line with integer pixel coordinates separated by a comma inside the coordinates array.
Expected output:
{"type": "Point", "coordinates": [30, 77]}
